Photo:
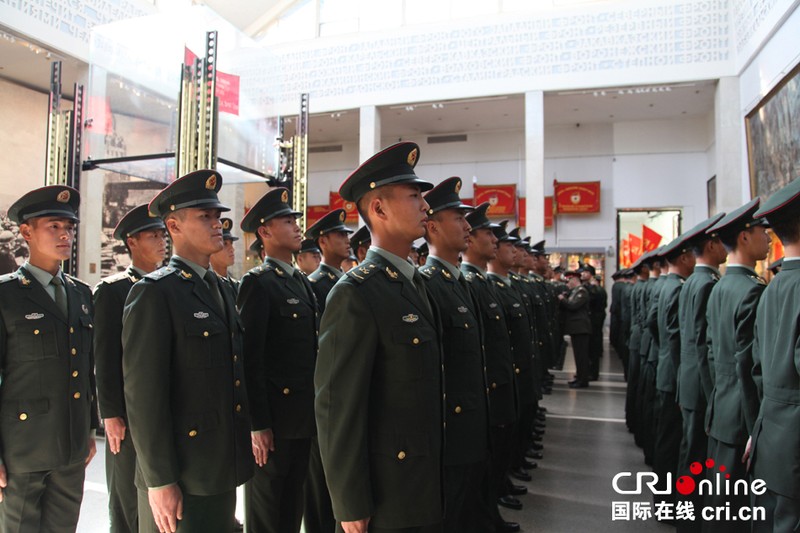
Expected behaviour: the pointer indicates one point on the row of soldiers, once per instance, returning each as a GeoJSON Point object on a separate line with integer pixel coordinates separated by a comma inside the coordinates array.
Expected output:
{"type": "Point", "coordinates": [387, 398]}
{"type": "Point", "coordinates": [712, 363]}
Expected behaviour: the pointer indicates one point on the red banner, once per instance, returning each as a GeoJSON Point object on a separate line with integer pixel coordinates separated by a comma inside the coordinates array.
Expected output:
{"type": "Point", "coordinates": [501, 198]}
{"type": "Point", "coordinates": [635, 247]}
{"type": "Point", "coordinates": [577, 197]}
{"type": "Point", "coordinates": [625, 254]}
{"type": "Point", "coordinates": [650, 239]}
{"type": "Point", "coordinates": [314, 213]}
{"type": "Point", "coordinates": [227, 90]}
{"type": "Point", "coordinates": [521, 203]}
{"type": "Point", "coordinates": [336, 202]}
{"type": "Point", "coordinates": [548, 211]}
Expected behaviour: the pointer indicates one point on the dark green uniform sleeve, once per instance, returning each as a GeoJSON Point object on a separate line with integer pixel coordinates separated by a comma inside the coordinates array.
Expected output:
{"type": "Point", "coordinates": [700, 335]}
{"type": "Point", "coordinates": [348, 343]}
{"type": "Point", "coordinates": [745, 334]}
{"type": "Point", "coordinates": [108, 307]}
{"type": "Point", "coordinates": [147, 367]}
{"type": "Point", "coordinates": [254, 309]}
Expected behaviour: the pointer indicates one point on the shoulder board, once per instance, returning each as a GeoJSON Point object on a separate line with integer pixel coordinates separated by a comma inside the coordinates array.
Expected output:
{"type": "Point", "coordinates": [161, 273]}
{"type": "Point", "coordinates": [5, 278]}
{"type": "Point", "coordinates": [469, 276]}
{"type": "Point", "coordinates": [77, 281]}
{"type": "Point", "coordinates": [363, 271]}
{"type": "Point", "coordinates": [263, 268]}
{"type": "Point", "coordinates": [758, 280]}
{"type": "Point", "coordinates": [119, 276]}
{"type": "Point", "coordinates": [315, 276]}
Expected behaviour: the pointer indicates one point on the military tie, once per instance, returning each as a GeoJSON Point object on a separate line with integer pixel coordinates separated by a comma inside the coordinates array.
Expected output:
{"type": "Point", "coordinates": [60, 294]}
{"type": "Point", "coordinates": [213, 286]}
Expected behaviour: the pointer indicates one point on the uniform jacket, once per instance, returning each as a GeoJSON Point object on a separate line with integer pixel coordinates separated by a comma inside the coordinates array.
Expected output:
{"type": "Point", "coordinates": [544, 317]}
{"type": "Point", "coordinates": [519, 327]}
{"type": "Point", "coordinates": [733, 404]}
{"type": "Point", "coordinates": [669, 333]}
{"type": "Point", "coordinates": [109, 302]}
{"type": "Point", "coordinates": [635, 337]}
{"type": "Point", "coordinates": [576, 312]}
{"type": "Point", "coordinates": [651, 322]}
{"type": "Point", "coordinates": [281, 321]}
{"type": "Point", "coordinates": [499, 358]}
{"type": "Point", "coordinates": [466, 413]}
{"type": "Point", "coordinates": [776, 357]}
{"type": "Point", "coordinates": [625, 312]}
{"type": "Point", "coordinates": [47, 393]}
{"type": "Point", "coordinates": [379, 399]}
{"type": "Point", "coordinates": [322, 281]}
{"type": "Point", "coordinates": [645, 297]}
{"type": "Point", "coordinates": [694, 378]}
{"type": "Point", "coordinates": [598, 300]}
{"type": "Point", "coordinates": [184, 384]}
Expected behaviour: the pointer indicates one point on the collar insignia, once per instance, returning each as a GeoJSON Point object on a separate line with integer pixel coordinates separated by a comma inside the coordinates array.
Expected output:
{"type": "Point", "coordinates": [34, 316]}
{"type": "Point", "coordinates": [292, 301]}
{"type": "Point", "coordinates": [410, 318]}
{"type": "Point", "coordinates": [392, 274]}
{"type": "Point", "coordinates": [201, 314]}
{"type": "Point", "coordinates": [184, 274]}
{"type": "Point", "coordinates": [331, 276]}
{"type": "Point", "coordinates": [25, 281]}
{"type": "Point", "coordinates": [500, 284]}
{"type": "Point", "coordinates": [279, 271]}
{"type": "Point", "coordinates": [462, 309]}
{"type": "Point", "coordinates": [447, 274]}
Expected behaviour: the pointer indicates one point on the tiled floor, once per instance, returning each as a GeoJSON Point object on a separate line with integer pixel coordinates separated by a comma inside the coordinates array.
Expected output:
{"type": "Point", "coordinates": [586, 444]}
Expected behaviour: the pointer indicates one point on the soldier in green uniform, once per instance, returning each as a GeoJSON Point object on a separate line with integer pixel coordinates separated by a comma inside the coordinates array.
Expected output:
{"type": "Point", "coordinates": [466, 407]}
{"type": "Point", "coordinates": [359, 242]}
{"type": "Point", "coordinates": [775, 438]}
{"type": "Point", "coordinates": [281, 319]}
{"type": "Point", "coordinates": [183, 374]}
{"type": "Point", "coordinates": [578, 326]}
{"type": "Point", "coordinates": [308, 256]}
{"type": "Point", "coordinates": [625, 318]}
{"type": "Point", "coordinates": [693, 382]}
{"type": "Point", "coordinates": [47, 387]}
{"type": "Point", "coordinates": [537, 263]}
{"type": "Point", "coordinates": [145, 237]}
{"type": "Point", "coordinates": [731, 315]}
{"type": "Point", "coordinates": [646, 396]}
{"type": "Point", "coordinates": [681, 259]}
{"type": "Point", "coordinates": [224, 259]}
{"type": "Point", "coordinates": [598, 300]}
{"type": "Point", "coordinates": [481, 249]}
{"type": "Point", "coordinates": [332, 237]}
{"type": "Point", "coordinates": [379, 398]}
{"type": "Point", "coordinates": [642, 272]}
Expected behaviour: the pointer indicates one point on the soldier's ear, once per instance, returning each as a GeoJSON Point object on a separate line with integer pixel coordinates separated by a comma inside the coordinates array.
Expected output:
{"type": "Point", "coordinates": [25, 230]}
{"type": "Point", "coordinates": [263, 231]}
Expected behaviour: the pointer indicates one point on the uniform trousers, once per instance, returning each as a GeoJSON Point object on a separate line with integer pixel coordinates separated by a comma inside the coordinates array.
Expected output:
{"type": "Point", "coordinates": [667, 442]}
{"type": "Point", "coordinates": [122, 497]}
{"type": "Point", "coordinates": [433, 528]}
{"type": "Point", "coordinates": [646, 422]}
{"type": "Point", "coordinates": [466, 489]}
{"type": "Point", "coordinates": [318, 513]}
{"type": "Point", "coordinates": [201, 514]}
{"type": "Point", "coordinates": [730, 456]}
{"type": "Point", "coordinates": [782, 513]}
{"type": "Point", "coordinates": [694, 447]}
{"type": "Point", "coordinates": [43, 501]}
{"type": "Point", "coordinates": [501, 440]}
{"type": "Point", "coordinates": [631, 401]}
{"type": "Point", "coordinates": [274, 496]}
{"type": "Point", "coordinates": [580, 348]}
{"type": "Point", "coordinates": [595, 349]}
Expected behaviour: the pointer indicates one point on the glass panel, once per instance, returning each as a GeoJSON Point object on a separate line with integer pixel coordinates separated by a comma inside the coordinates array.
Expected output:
{"type": "Point", "coordinates": [380, 15]}
{"type": "Point", "coordinates": [422, 11]}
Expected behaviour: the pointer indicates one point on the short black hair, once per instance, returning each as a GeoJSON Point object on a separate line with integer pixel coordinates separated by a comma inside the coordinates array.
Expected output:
{"type": "Point", "coordinates": [787, 228]}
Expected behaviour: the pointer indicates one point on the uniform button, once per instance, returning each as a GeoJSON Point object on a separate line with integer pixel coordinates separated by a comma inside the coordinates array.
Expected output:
{"type": "Point", "coordinates": [415, 340]}
{"type": "Point", "coordinates": [466, 326]}
{"type": "Point", "coordinates": [235, 358]}
{"type": "Point", "coordinates": [205, 334]}
{"type": "Point", "coordinates": [36, 332]}
{"type": "Point", "coordinates": [73, 351]}
{"type": "Point", "coordinates": [238, 408]}
{"type": "Point", "coordinates": [23, 416]}
{"type": "Point", "coordinates": [72, 330]}
{"type": "Point", "coordinates": [516, 370]}
{"type": "Point", "coordinates": [74, 373]}
{"type": "Point", "coordinates": [401, 455]}
{"type": "Point", "coordinates": [457, 409]}
{"type": "Point", "coordinates": [294, 315]}
{"type": "Point", "coordinates": [497, 317]}
{"type": "Point", "coordinates": [487, 390]}
{"type": "Point", "coordinates": [286, 391]}
{"type": "Point", "coordinates": [77, 395]}
{"type": "Point", "coordinates": [494, 385]}
{"type": "Point", "coordinates": [237, 383]}
{"type": "Point", "coordinates": [193, 433]}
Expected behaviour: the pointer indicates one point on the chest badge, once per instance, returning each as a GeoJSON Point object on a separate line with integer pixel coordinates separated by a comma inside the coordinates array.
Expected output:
{"type": "Point", "coordinates": [201, 314]}
{"type": "Point", "coordinates": [292, 301]}
{"type": "Point", "coordinates": [84, 309]}
{"type": "Point", "coordinates": [462, 309]}
{"type": "Point", "coordinates": [410, 318]}
{"type": "Point", "coordinates": [34, 316]}
{"type": "Point", "coordinates": [492, 305]}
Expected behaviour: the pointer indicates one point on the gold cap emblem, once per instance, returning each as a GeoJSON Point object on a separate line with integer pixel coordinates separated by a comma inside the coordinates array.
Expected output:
{"type": "Point", "coordinates": [226, 224]}
{"type": "Point", "coordinates": [342, 216]}
{"type": "Point", "coordinates": [458, 186]}
{"type": "Point", "coordinates": [63, 196]}
{"type": "Point", "coordinates": [285, 196]}
{"type": "Point", "coordinates": [412, 157]}
{"type": "Point", "coordinates": [211, 182]}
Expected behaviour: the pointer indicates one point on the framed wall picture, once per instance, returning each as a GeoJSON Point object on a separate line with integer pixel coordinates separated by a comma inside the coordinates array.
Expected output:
{"type": "Point", "coordinates": [773, 137]}
{"type": "Point", "coordinates": [711, 195]}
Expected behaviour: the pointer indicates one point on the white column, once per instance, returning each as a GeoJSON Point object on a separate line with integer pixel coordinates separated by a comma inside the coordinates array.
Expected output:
{"type": "Point", "coordinates": [534, 165]}
{"type": "Point", "coordinates": [369, 140]}
{"type": "Point", "coordinates": [731, 160]}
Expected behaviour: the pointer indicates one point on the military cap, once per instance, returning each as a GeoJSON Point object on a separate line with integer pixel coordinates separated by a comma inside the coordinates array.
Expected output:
{"type": "Point", "coordinates": [502, 235]}
{"type": "Point", "coordinates": [136, 220]}
{"type": "Point", "coordinates": [256, 246]}
{"type": "Point", "coordinates": [785, 201]}
{"type": "Point", "coordinates": [738, 220]}
{"type": "Point", "coordinates": [572, 274]}
{"type": "Point", "coordinates": [423, 249]}
{"type": "Point", "coordinates": [391, 166]}
{"type": "Point", "coordinates": [641, 261]}
{"type": "Point", "coordinates": [227, 224]}
{"type": "Point", "coordinates": [197, 189]}
{"type": "Point", "coordinates": [478, 219]}
{"type": "Point", "coordinates": [586, 267]}
{"type": "Point", "coordinates": [51, 201]}
{"type": "Point", "coordinates": [776, 265]}
{"type": "Point", "coordinates": [519, 242]}
{"type": "Point", "coordinates": [538, 249]}
{"type": "Point", "coordinates": [558, 269]}
{"type": "Point", "coordinates": [308, 245]}
{"type": "Point", "coordinates": [445, 196]}
{"type": "Point", "coordinates": [361, 237]}
{"type": "Point", "coordinates": [273, 204]}
{"type": "Point", "coordinates": [696, 235]}
{"type": "Point", "coordinates": [331, 222]}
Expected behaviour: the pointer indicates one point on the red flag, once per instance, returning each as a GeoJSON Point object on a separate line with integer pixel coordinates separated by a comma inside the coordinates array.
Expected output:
{"type": "Point", "coordinates": [635, 246]}
{"type": "Point", "coordinates": [650, 239]}
{"type": "Point", "coordinates": [625, 254]}
{"type": "Point", "coordinates": [577, 197]}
